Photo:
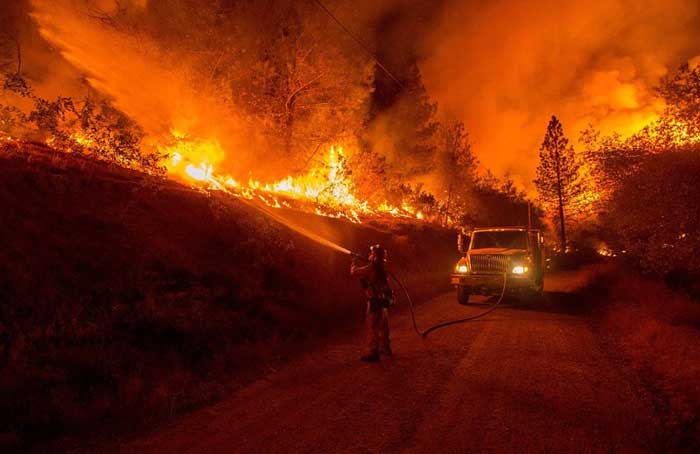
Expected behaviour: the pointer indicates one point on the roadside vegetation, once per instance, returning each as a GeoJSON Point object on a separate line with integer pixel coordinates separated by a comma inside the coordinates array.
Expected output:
{"type": "Point", "coordinates": [648, 205]}
{"type": "Point", "coordinates": [654, 330]}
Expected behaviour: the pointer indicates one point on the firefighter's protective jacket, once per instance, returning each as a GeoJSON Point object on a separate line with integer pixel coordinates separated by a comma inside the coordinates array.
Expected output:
{"type": "Point", "coordinates": [374, 280]}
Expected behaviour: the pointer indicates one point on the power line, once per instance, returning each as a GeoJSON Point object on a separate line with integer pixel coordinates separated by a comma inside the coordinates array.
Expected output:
{"type": "Point", "coordinates": [359, 43]}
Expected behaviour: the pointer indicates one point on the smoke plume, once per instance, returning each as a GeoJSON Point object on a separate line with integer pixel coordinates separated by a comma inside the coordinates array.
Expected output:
{"type": "Point", "coordinates": [504, 67]}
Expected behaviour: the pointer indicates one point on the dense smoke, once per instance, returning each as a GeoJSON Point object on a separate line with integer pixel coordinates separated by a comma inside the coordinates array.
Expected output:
{"type": "Point", "coordinates": [504, 67]}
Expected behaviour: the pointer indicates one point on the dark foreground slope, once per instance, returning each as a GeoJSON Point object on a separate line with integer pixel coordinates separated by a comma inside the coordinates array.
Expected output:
{"type": "Point", "coordinates": [129, 297]}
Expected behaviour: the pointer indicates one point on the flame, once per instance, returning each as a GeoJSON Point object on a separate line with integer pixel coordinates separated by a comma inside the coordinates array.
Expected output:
{"type": "Point", "coordinates": [200, 173]}
{"type": "Point", "coordinates": [604, 251]}
{"type": "Point", "coordinates": [81, 140]}
{"type": "Point", "coordinates": [326, 189]}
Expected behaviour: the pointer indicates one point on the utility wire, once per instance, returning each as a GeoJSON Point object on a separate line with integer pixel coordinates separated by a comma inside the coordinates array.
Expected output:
{"type": "Point", "coordinates": [359, 43]}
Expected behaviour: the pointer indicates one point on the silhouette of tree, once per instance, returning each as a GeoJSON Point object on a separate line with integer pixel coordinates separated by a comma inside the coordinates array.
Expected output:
{"type": "Point", "coordinates": [558, 179]}
{"type": "Point", "coordinates": [681, 91]}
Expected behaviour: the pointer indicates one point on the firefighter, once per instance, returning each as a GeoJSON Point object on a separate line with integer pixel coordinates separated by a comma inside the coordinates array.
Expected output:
{"type": "Point", "coordinates": [373, 278]}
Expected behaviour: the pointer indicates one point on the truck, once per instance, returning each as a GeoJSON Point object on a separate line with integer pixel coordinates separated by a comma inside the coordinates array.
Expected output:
{"type": "Point", "coordinates": [494, 254]}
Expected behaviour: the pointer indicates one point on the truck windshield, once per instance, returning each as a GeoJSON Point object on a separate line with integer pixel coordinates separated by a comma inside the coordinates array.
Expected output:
{"type": "Point", "coordinates": [508, 239]}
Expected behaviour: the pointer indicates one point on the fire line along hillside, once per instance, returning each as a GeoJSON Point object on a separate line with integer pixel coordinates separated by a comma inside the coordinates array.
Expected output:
{"type": "Point", "coordinates": [131, 297]}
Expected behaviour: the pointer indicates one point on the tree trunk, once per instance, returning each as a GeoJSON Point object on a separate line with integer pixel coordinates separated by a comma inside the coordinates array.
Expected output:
{"type": "Point", "coordinates": [19, 56]}
{"type": "Point", "coordinates": [288, 135]}
{"type": "Point", "coordinates": [562, 227]}
{"type": "Point", "coordinates": [447, 205]}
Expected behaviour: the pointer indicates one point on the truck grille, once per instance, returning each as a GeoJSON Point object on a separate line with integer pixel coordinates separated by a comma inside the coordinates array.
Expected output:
{"type": "Point", "coordinates": [488, 263]}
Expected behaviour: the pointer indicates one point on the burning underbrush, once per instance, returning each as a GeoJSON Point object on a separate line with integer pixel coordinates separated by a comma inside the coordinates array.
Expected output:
{"type": "Point", "coordinates": [130, 297]}
{"type": "Point", "coordinates": [327, 189]}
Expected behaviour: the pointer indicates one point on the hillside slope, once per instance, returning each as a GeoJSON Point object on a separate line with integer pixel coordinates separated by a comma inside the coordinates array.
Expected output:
{"type": "Point", "coordinates": [127, 296]}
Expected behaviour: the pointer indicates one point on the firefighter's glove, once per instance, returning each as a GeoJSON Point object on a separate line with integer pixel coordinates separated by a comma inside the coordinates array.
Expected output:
{"type": "Point", "coordinates": [357, 258]}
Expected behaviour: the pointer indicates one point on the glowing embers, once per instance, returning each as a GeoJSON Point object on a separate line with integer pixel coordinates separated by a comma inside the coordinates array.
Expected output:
{"type": "Point", "coordinates": [604, 251]}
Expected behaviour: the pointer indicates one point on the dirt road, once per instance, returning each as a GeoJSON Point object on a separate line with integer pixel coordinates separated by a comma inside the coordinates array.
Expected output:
{"type": "Point", "coordinates": [522, 380]}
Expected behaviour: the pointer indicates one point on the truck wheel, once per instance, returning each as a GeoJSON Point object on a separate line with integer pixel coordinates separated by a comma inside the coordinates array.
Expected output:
{"type": "Point", "coordinates": [531, 296]}
{"type": "Point", "coordinates": [463, 295]}
{"type": "Point", "coordinates": [539, 286]}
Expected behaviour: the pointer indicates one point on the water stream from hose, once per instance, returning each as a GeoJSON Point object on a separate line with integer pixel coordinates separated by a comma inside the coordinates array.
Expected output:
{"type": "Point", "coordinates": [297, 228]}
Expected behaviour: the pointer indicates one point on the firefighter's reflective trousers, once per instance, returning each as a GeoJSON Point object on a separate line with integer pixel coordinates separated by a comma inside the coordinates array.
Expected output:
{"type": "Point", "coordinates": [377, 329]}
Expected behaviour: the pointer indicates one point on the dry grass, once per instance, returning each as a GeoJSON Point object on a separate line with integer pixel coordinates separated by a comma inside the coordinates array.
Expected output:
{"type": "Point", "coordinates": [657, 330]}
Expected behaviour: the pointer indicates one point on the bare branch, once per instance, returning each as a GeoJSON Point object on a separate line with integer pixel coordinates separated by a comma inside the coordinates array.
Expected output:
{"type": "Point", "coordinates": [19, 56]}
{"type": "Point", "coordinates": [292, 97]}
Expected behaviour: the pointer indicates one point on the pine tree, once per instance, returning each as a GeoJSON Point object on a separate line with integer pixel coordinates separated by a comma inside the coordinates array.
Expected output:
{"type": "Point", "coordinates": [558, 180]}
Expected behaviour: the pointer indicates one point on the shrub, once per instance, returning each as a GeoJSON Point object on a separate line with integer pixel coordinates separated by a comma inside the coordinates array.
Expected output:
{"type": "Point", "coordinates": [656, 213]}
{"type": "Point", "coordinates": [89, 126]}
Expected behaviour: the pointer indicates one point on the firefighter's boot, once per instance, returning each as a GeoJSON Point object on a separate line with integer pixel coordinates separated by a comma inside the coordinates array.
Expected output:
{"type": "Point", "coordinates": [370, 357]}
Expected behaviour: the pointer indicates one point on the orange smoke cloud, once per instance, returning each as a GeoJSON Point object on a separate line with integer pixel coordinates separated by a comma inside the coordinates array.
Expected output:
{"type": "Point", "coordinates": [504, 67]}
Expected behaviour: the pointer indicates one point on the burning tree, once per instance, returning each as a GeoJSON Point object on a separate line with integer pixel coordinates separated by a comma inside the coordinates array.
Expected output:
{"type": "Point", "coordinates": [457, 166]}
{"type": "Point", "coordinates": [681, 91]}
{"type": "Point", "coordinates": [614, 158]}
{"type": "Point", "coordinates": [298, 78]}
{"type": "Point", "coordinates": [646, 181]}
{"type": "Point", "coordinates": [558, 179]}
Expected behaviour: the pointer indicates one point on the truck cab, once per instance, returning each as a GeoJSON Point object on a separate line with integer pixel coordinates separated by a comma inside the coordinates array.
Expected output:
{"type": "Point", "coordinates": [493, 254]}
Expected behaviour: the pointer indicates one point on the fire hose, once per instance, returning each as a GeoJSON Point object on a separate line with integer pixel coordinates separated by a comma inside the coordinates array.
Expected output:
{"type": "Point", "coordinates": [437, 326]}
{"type": "Point", "coordinates": [430, 329]}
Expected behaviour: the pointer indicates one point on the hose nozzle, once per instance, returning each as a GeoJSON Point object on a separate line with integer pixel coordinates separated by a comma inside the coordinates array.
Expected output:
{"type": "Point", "coordinates": [357, 256]}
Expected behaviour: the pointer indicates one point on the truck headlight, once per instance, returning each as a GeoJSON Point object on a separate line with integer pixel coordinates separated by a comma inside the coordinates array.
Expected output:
{"type": "Point", "coordinates": [520, 269]}
{"type": "Point", "coordinates": [462, 268]}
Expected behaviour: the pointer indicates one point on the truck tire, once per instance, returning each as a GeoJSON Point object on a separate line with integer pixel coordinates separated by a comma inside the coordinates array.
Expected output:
{"type": "Point", "coordinates": [463, 295]}
{"type": "Point", "coordinates": [532, 296]}
{"type": "Point", "coordinates": [539, 286]}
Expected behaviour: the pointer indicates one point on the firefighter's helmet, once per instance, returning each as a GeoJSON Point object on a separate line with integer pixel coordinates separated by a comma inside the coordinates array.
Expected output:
{"type": "Point", "coordinates": [378, 253]}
